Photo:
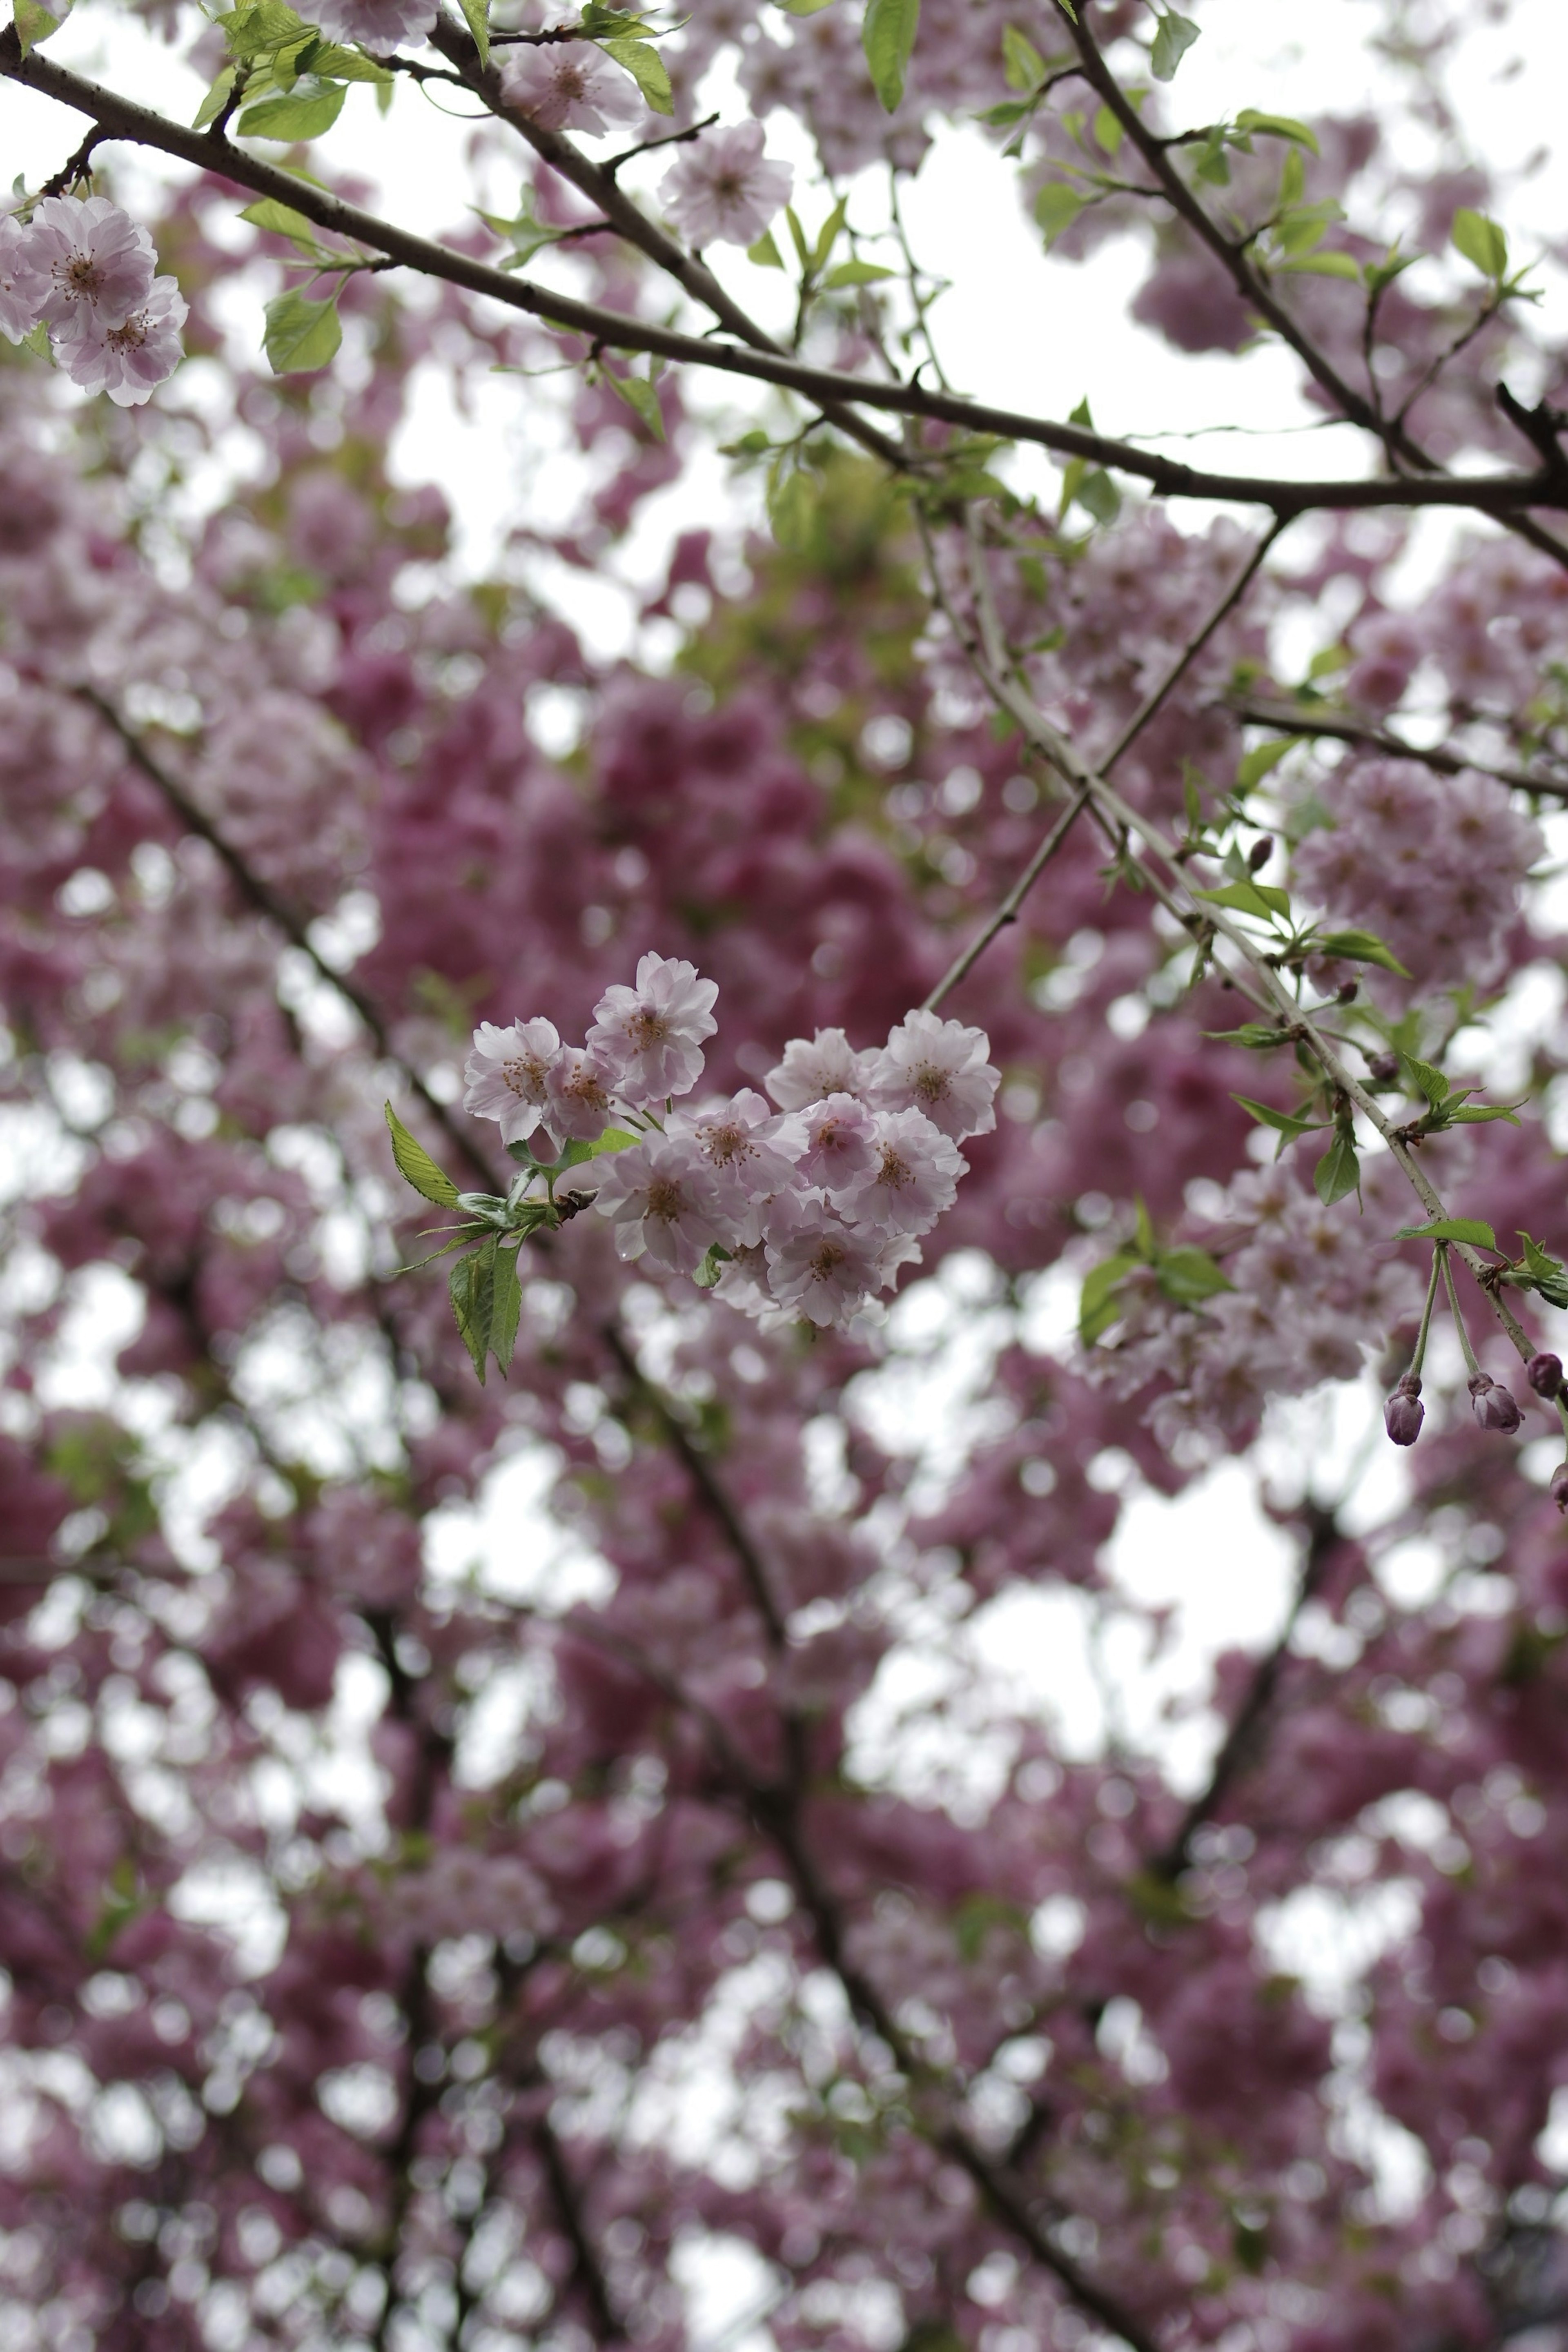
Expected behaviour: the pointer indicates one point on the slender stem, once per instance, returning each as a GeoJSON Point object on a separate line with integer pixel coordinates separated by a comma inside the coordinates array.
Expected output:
{"type": "Point", "coordinates": [1419, 1358]}
{"type": "Point", "coordinates": [1341, 727]}
{"type": "Point", "coordinates": [1469, 1354]}
{"type": "Point", "coordinates": [1503, 495]}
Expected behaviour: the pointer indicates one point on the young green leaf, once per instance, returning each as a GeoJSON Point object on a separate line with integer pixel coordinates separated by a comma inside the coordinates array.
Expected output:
{"type": "Point", "coordinates": [299, 116]}
{"type": "Point", "coordinates": [1096, 1307]}
{"type": "Point", "coordinates": [856, 273]}
{"type": "Point", "coordinates": [215, 101]}
{"type": "Point", "coordinates": [1359, 947]}
{"type": "Point", "coordinates": [1172, 39]}
{"type": "Point", "coordinates": [765, 253]}
{"type": "Point", "coordinates": [1546, 1273]}
{"type": "Point", "coordinates": [415, 1166]}
{"type": "Point", "coordinates": [1276, 126]}
{"type": "Point", "coordinates": [1287, 1125]}
{"type": "Point", "coordinates": [1098, 494]}
{"type": "Point", "coordinates": [1473, 1230]}
{"type": "Point", "coordinates": [1253, 765]}
{"type": "Point", "coordinates": [1021, 61]}
{"type": "Point", "coordinates": [1256, 1036]}
{"type": "Point", "coordinates": [477, 16]}
{"type": "Point", "coordinates": [641, 397]}
{"type": "Point", "coordinates": [614, 1138]}
{"type": "Point", "coordinates": [1339, 1170]}
{"type": "Point", "coordinates": [1188, 1276]}
{"type": "Point", "coordinates": [1426, 1080]}
{"type": "Point", "coordinates": [301, 334]}
{"type": "Point", "coordinates": [471, 1286]}
{"type": "Point", "coordinates": [1478, 1114]}
{"type": "Point", "coordinates": [646, 68]}
{"type": "Point", "coordinates": [1262, 900]}
{"type": "Point", "coordinates": [888, 37]}
{"type": "Point", "coordinates": [35, 24]}
{"type": "Point", "coordinates": [1057, 208]}
{"type": "Point", "coordinates": [506, 1306]}
{"type": "Point", "coordinates": [282, 220]}
{"type": "Point", "coordinates": [1482, 242]}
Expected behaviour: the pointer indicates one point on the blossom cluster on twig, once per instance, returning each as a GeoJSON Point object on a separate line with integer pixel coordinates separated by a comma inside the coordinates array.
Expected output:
{"type": "Point", "coordinates": [85, 271]}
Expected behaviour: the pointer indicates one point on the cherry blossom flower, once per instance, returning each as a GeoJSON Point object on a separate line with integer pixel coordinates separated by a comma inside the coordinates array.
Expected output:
{"type": "Point", "coordinates": [1495, 1407]}
{"type": "Point", "coordinates": [723, 189]}
{"type": "Point", "coordinates": [818, 1265]}
{"type": "Point", "coordinates": [651, 1035]}
{"type": "Point", "coordinates": [569, 86]}
{"type": "Point", "coordinates": [22, 283]}
{"type": "Point", "coordinates": [579, 1088]}
{"type": "Point", "coordinates": [378, 24]}
{"type": "Point", "coordinates": [129, 361]}
{"type": "Point", "coordinates": [942, 1069]}
{"type": "Point", "coordinates": [835, 1142]}
{"type": "Point", "coordinates": [507, 1077]}
{"type": "Point", "coordinates": [915, 1177]}
{"type": "Point", "coordinates": [92, 258]}
{"type": "Point", "coordinates": [827, 1065]}
{"type": "Point", "coordinates": [741, 1142]}
{"type": "Point", "coordinates": [662, 1199]}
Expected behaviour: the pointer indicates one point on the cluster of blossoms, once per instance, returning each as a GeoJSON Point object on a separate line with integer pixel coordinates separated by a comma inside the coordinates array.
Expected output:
{"type": "Point", "coordinates": [83, 268]}
{"type": "Point", "coordinates": [808, 1206]}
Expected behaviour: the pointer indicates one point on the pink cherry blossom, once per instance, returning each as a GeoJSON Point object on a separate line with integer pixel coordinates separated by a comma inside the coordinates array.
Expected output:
{"type": "Point", "coordinates": [580, 1089]}
{"type": "Point", "coordinates": [662, 1198]}
{"type": "Point", "coordinates": [834, 1141]}
{"type": "Point", "coordinates": [95, 261]}
{"type": "Point", "coordinates": [913, 1178]}
{"type": "Point", "coordinates": [378, 24]}
{"type": "Point", "coordinates": [130, 360]}
{"type": "Point", "coordinates": [651, 1035]}
{"type": "Point", "coordinates": [507, 1077]}
{"type": "Point", "coordinates": [744, 1145]}
{"type": "Point", "coordinates": [23, 282]}
{"type": "Point", "coordinates": [723, 189]}
{"type": "Point", "coordinates": [942, 1069]}
{"type": "Point", "coordinates": [827, 1065]}
{"type": "Point", "coordinates": [818, 1266]}
{"type": "Point", "coordinates": [569, 86]}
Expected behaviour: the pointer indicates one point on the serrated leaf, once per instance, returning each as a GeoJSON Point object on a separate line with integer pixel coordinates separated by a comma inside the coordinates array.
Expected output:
{"type": "Point", "coordinates": [888, 37]}
{"type": "Point", "coordinates": [1188, 1276]}
{"type": "Point", "coordinates": [1473, 1230]}
{"type": "Point", "coordinates": [1057, 208]}
{"type": "Point", "coordinates": [1359, 947]}
{"type": "Point", "coordinates": [1427, 1081]}
{"type": "Point", "coordinates": [1021, 63]}
{"type": "Point", "coordinates": [1547, 1273]}
{"type": "Point", "coordinates": [1276, 126]}
{"type": "Point", "coordinates": [213, 104]}
{"type": "Point", "coordinates": [36, 341]}
{"type": "Point", "coordinates": [1255, 1035]}
{"type": "Point", "coordinates": [1339, 1170]}
{"type": "Point", "coordinates": [34, 24]}
{"type": "Point", "coordinates": [1253, 765]}
{"type": "Point", "coordinates": [1286, 1123]}
{"type": "Point", "coordinates": [471, 1288]}
{"type": "Point", "coordinates": [857, 273]}
{"type": "Point", "coordinates": [294, 116]}
{"type": "Point", "coordinates": [641, 397]}
{"type": "Point", "coordinates": [1263, 900]}
{"type": "Point", "coordinates": [765, 253]}
{"type": "Point", "coordinates": [301, 334]}
{"type": "Point", "coordinates": [506, 1306]}
{"type": "Point", "coordinates": [415, 1166]}
{"type": "Point", "coordinates": [1096, 1309]}
{"type": "Point", "coordinates": [477, 16]}
{"type": "Point", "coordinates": [281, 220]}
{"type": "Point", "coordinates": [1481, 241]}
{"type": "Point", "coordinates": [1478, 1114]}
{"type": "Point", "coordinates": [332, 62]}
{"type": "Point", "coordinates": [1174, 38]}
{"type": "Point", "coordinates": [646, 68]}
{"type": "Point", "coordinates": [252, 31]}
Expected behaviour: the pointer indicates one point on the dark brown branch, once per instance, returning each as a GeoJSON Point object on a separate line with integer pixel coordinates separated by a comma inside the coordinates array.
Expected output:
{"type": "Point", "coordinates": [587, 2269]}
{"type": "Point", "coordinates": [1295, 719]}
{"type": "Point", "coordinates": [260, 895]}
{"type": "Point", "coordinates": [1503, 496]}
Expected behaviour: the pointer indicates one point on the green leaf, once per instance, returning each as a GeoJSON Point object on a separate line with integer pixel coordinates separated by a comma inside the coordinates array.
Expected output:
{"type": "Point", "coordinates": [614, 1138]}
{"type": "Point", "coordinates": [1480, 240]}
{"type": "Point", "coordinates": [525, 232]}
{"type": "Point", "coordinates": [1108, 131]}
{"type": "Point", "coordinates": [888, 37]}
{"type": "Point", "coordinates": [857, 273]}
{"type": "Point", "coordinates": [1276, 126]}
{"type": "Point", "coordinates": [1098, 494]}
{"type": "Point", "coordinates": [1473, 1230]}
{"type": "Point", "coordinates": [1546, 1273]}
{"type": "Point", "coordinates": [36, 341]}
{"type": "Point", "coordinates": [252, 32]}
{"type": "Point", "coordinates": [1021, 61]}
{"type": "Point", "coordinates": [301, 334]}
{"type": "Point", "coordinates": [477, 16]}
{"type": "Point", "coordinates": [215, 101]}
{"type": "Point", "coordinates": [1148, 1241]}
{"type": "Point", "coordinates": [1359, 947]}
{"type": "Point", "coordinates": [1255, 1035]}
{"type": "Point", "coordinates": [471, 1286]}
{"type": "Point", "coordinates": [713, 1266]}
{"type": "Point", "coordinates": [828, 235]}
{"type": "Point", "coordinates": [415, 1166]}
{"type": "Point", "coordinates": [1057, 208]}
{"type": "Point", "coordinates": [1262, 900]}
{"type": "Point", "coordinates": [1326, 264]}
{"type": "Point", "coordinates": [330, 62]}
{"type": "Point", "coordinates": [506, 1306]}
{"type": "Point", "coordinates": [1172, 41]}
{"type": "Point", "coordinates": [295, 117]}
{"type": "Point", "coordinates": [1426, 1080]}
{"type": "Point", "coordinates": [765, 253]}
{"type": "Point", "coordinates": [646, 68]}
{"type": "Point", "coordinates": [641, 397]}
{"type": "Point", "coordinates": [1188, 1276]}
{"type": "Point", "coordinates": [1286, 1123]}
{"type": "Point", "coordinates": [1253, 765]}
{"type": "Point", "coordinates": [1478, 1114]}
{"type": "Point", "coordinates": [1339, 1170]}
{"type": "Point", "coordinates": [34, 24]}
{"type": "Point", "coordinates": [282, 220]}
{"type": "Point", "coordinates": [1096, 1307]}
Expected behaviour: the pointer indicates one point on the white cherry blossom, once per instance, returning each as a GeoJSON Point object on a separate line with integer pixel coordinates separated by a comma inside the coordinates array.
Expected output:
{"type": "Point", "coordinates": [663, 1200]}
{"type": "Point", "coordinates": [581, 1088]}
{"type": "Point", "coordinates": [829, 1065]}
{"type": "Point", "coordinates": [818, 1265]}
{"type": "Point", "coordinates": [569, 86]}
{"type": "Point", "coordinates": [651, 1035]}
{"type": "Point", "coordinates": [723, 190]}
{"type": "Point", "coordinates": [942, 1069]}
{"type": "Point", "coordinates": [835, 1142]}
{"type": "Point", "coordinates": [740, 1141]}
{"type": "Point", "coordinates": [913, 1180]}
{"type": "Point", "coordinates": [508, 1075]}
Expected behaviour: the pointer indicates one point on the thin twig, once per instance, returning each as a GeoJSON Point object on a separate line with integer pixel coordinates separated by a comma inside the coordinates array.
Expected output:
{"type": "Point", "coordinates": [1297, 718]}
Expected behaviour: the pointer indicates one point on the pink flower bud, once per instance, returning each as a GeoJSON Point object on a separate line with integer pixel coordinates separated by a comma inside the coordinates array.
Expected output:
{"type": "Point", "coordinates": [1403, 1413]}
{"type": "Point", "coordinates": [1558, 1490]}
{"type": "Point", "coordinates": [1495, 1405]}
{"type": "Point", "coordinates": [1544, 1373]}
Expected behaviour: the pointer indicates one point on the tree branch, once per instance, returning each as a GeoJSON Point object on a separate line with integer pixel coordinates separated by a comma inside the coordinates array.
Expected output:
{"type": "Point", "coordinates": [1312, 719]}
{"type": "Point", "coordinates": [1503, 496]}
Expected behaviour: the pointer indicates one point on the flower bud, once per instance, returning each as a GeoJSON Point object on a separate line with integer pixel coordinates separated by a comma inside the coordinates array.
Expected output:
{"type": "Point", "coordinates": [1403, 1413]}
{"type": "Point", "coordinates": [1558, 1490]}
{"type": "Point", "coordinates": [1544, 1373]}
{"type": "Point", "coordinates": [1383, 1070]}
{"type": "Point", "coordinates": [1261, 852]}
{"type": "Point", "coordinates": [1495, 1406]}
